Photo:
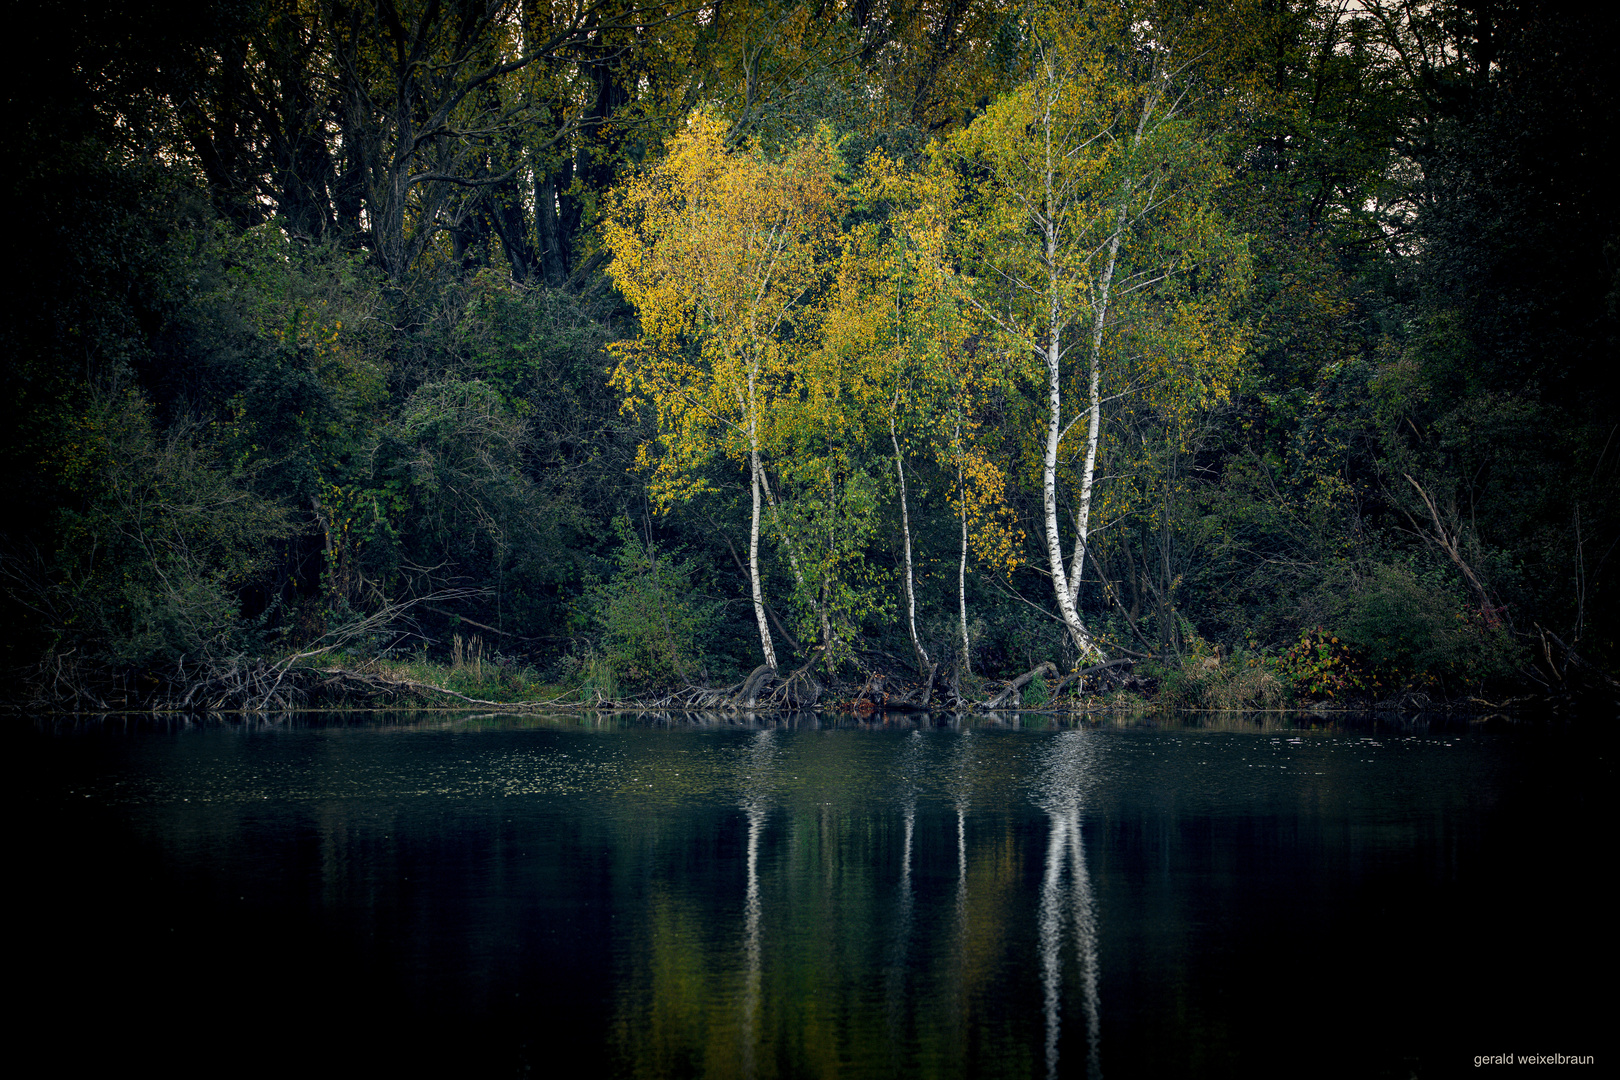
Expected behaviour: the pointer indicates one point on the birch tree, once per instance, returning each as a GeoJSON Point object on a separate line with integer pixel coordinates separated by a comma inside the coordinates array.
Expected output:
{"type": "Point", "coordinates": [873, 332]}
{"type": "Point", "coordinates": [720, 252]}
{"type": "Point", "coordinates": [1087, 204]}
{"type": "Point", "coordinates": [960, 376]}
{"type": "Point", "coordinates": [916, 372]}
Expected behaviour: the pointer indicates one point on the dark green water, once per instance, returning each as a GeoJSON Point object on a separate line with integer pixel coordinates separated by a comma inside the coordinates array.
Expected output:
{"type": "Point", "coordinates": [622, 897]}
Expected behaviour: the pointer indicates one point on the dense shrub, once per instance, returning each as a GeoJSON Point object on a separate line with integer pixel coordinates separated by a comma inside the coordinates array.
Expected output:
{"type": "Point", "coordinates": [153, 540]}
{"type": "Point", "coordinates": [653, 626]}
{"type": "Point", "coordinates": [1407, 628]}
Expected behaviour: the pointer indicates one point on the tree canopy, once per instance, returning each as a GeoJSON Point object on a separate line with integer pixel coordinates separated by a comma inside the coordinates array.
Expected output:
{"type": "Point", "coordinates": [1261, 347]}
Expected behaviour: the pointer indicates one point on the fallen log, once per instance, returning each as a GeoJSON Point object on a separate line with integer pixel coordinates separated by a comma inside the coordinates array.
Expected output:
{"type": "Point", "coordinates": [1012, 692]}
{"type": "Point", "coordinates": [1079, 676]}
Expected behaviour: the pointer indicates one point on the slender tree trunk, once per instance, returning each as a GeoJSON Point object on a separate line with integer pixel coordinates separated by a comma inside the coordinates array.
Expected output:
{"type": "Point", "coordinates": [1082, 517]}
{"type": "Point", "coordinates": [826, 586]}
{"type": "Point", "coordinates": [961, 569]}
{"type": "Point", "coordinates": [753, 528]}
{"type": "Point", "coordinates": [826, 633]}
{"type": "Point", "coordinates": [1101, 295]}
{"type": "Point", "coordinates": [924, 667]}
{"type": "Point", "coordinates": [1054, 543]}
{"type": "Point", "coordinates": [1053, 355]}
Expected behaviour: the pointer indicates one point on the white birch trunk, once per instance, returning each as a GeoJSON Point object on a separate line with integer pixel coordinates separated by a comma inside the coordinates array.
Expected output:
{"type": "Point", "coordinates": [1102, 293]}
{"type": "Point", "coordinates": [1082, 516]}
{"type": "Point", "coordinates": [757, 477]}
{"type": "Point", "coordinates": [1051, 220]}
{"type": "Point", "coordinates": [923, 664]}
{"type": "Point", "coordinates": [1100, 300]}
{"type": "Point", "coordinates": [826, 631]}
{"type": "Point", "coordinates": [1053, 355]}
{"type": "Point", "coordinates": [1054, 542]}
{"type": "Point", "coordinates": [961, 573]}
{"type": "Point", "coordinates": [826, 621]}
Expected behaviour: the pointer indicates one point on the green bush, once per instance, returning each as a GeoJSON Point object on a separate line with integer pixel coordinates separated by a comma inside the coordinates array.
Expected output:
{"type": "Point", "coordinates": [652, 624]}
{"type": "Point", "coordinates": [1320, 665]}
{"type": "Point", "coordinates": [153, 540]}
{"type": "Point", "coordinates": [1411, 630]}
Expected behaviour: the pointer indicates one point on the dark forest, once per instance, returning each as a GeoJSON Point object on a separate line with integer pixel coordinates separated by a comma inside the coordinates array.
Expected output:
{"type": "Point", "coordinates": [955, 353]}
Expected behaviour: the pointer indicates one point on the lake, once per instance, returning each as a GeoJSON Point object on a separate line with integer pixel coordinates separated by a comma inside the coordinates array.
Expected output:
{"type": "Point", "coordinates": [603, 895]}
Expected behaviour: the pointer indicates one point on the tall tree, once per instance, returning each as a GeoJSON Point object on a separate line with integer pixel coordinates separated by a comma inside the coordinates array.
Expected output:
{"type": "Point", "coordinates": [1090, 200]}
{"type": "Point", "coordinates": [720, 252]}
{"type": "Point", "coordinates": [917, 369]}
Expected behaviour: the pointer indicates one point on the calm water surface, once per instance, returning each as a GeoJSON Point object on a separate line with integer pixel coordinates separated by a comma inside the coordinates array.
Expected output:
{"type": "Point", "coordinates": [627, 897]}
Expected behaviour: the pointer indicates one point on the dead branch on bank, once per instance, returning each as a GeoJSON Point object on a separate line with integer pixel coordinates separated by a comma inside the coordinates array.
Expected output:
{"type": "Point", "coordinates": [347, 681]}
{"type": "Point", "coordinates": [273, 687]}
{"type": "Point", "coordinates": [1011, 693]}
{"type": "Point", "coordinates": [61, 683]}
{"type": "Point", "coordinates": [238, 681]}
{"type": "Point", "coordinates": [256, 684]}
{"type": "Point", "coordinates": [1449, 542]}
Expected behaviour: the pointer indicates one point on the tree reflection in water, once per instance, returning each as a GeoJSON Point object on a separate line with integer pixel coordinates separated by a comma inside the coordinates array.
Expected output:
{"type": "Point", "coordinates": [1068, 772]}
{"type": "Point", "coordinates": [900, 940]}
{"type": "Point", "coordinates": [758, 777]}
{"type": "Point", "coordinates": [962, 796]}
{"type": "Point", "coordinates": [909, 776]}
{"type": "Point", "coordinates": [487, 891]}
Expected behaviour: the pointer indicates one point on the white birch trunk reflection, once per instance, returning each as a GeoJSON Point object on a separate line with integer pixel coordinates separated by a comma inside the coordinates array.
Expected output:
{"type": "Point", "coordinates": [1066, 898]}
{"type": "Point", "coordinates": [962, 796]}
{"type": "Point", "coordinates": [1051, 926]}
{"type": "Point", "coordinates": [757, 783]}
{"type": "Point", "coordinates": [900, 958]}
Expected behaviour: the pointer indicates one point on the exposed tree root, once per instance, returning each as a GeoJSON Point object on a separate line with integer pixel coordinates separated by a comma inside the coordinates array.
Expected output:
{"type": "Point", "coordinates": [763, 690]}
